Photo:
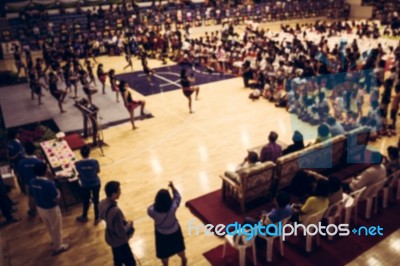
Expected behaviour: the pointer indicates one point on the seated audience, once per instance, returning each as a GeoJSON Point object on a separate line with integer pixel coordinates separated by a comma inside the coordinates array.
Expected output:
{"type": "Point", "coordinates": [335, 190]}
{"type": "Point", "coordinates": [282, 211]}
{"type": "Point", "coordinates": [335, 128]}
{"type": "Point", "coordinates": [250, 160]}
{"type": "Point", "coordinates": [317, 202]}
{"type": "Point", "coordinates": [298, 143]}
{"type": "Point", "coordinates": [323, 133]}
{"type": "Point", "coordinates": [302, 185]}
{"type": "Point", "coordinates": [272, 150]}
{"type": "Point", "coordinates": [392, 163]}
{"type": "Point", "coordinates": [370, 176]}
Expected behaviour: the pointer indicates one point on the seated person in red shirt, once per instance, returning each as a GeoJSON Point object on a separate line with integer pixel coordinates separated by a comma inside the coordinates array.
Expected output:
{"type": "Point", "coordinates": [272, 150]}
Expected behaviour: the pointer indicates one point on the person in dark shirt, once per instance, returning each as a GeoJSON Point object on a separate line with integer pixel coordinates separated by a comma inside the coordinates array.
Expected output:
{"type": "Point", "coordinates": [46, 196]}
{"type": "Point", "coordinates": [26, 168]}
{"type": "Point", "coordinates": [15, 153]}
{"type": "Point", "coordinates": [298, 144]}
{"type": "Point", "coordinates": [6, 206]}
{"type": "Point", "coordinates": [14, 148]}
{"type": "Point", "coordinates": [118, 229]}
{"type": "Point", "coordinates": [88, 170]}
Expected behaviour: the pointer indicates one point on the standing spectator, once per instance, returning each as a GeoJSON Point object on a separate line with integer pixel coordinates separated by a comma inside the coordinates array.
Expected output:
{"type": "Point", "coordinates": [247, 73]}
{"type": "Point", "coordinates": [6, 206]}
{"type": "Point", "coordinates": [118, 230]}
{"type": "Point", "coordinates": [88, 170]}
{"type": "Point", "coordinates": [272, 150]}
{"type": "Point", "coordinates": [169, 238]}
{"type": "Point", "coordinates": [15, 153]}
{"type": "Point", "coordinates": [395, 107]}
{"type": "Point", "coordinates": [26, 169]}
{"type": "Point", "coordinates": [46, 196]}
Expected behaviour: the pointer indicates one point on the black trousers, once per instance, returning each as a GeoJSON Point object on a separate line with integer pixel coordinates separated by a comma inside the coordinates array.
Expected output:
{"type": "Point", "coordinates": [5, 204]}
{"type": "Point", "coordinates": [123, 255]}
{"type": "Point", "coordinates": [87, 193]}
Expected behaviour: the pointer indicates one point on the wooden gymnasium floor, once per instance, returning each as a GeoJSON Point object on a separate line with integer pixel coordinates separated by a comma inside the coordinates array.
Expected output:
{"type": "Point", "coordinates": [189, 149]}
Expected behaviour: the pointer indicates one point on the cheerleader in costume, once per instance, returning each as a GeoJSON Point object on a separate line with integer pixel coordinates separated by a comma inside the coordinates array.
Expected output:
{"type": "Point", "coordinates": [89, 69]}
{"type": "Point", "coordinates": [59, 95]}
{"type": "Point", "coordinates": [85, 86]}
{"type": "Point", "coordinates": [130, 103]}
{"type": "Point", "coordinates": [187, 88]}
{"type": "Point", "coordinates": [149, 72]}
{"type": "Point", "coordinates": [36, 88]}
{"type": "Point", "coordinates": [113, 83]}
{"type": "Point", "coordinates": [102, 76]}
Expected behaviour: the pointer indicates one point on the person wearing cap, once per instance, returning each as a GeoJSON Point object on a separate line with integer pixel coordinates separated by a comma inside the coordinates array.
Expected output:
{"type": "Point", "coordinates": [298, 143]}
{"type": "Point", "coordinates": [46, 196]}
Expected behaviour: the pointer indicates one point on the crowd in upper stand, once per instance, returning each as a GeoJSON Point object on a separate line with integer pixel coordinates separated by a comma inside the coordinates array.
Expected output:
{"type": "Point", "coordinates": [101, 23]}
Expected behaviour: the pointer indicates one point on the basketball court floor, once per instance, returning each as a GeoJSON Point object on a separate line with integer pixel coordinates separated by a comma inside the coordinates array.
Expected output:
{"type": "Point", "coordinates": [191, 150]}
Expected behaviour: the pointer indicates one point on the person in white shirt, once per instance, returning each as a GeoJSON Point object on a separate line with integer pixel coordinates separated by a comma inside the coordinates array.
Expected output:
{"type": "Point", "coordinates": [370, 176]}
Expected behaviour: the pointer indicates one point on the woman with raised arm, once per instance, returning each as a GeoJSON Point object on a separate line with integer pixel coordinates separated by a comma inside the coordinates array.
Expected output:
{"type": "Point", "coordinates": [169, 238]}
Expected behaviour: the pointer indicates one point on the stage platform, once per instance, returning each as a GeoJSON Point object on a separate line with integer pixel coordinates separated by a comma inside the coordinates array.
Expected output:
{"type": "Point", "coordinates": [19, 109]}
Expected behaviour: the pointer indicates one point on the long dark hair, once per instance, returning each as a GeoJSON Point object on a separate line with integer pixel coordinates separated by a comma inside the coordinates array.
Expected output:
{"type": "Point", "coordinates": [163, 201]}
{"type": "Point", "coordinates": [321, 189]}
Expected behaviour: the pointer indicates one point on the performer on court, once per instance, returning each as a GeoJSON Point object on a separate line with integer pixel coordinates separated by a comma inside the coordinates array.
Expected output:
{"type": "Point", "coordinates": [149, 72]}
{"type": "Point", "coordinates": [36, 88]}
{"type": "Point", "coordinates": [59, 95]}
{"type": "Point", "coordinates": [128, 58]}
{"type": "Point", "coordinates": [187, 87]}
{"type": "Point", "coordinates": [18, 61]}
{"type": "Point", "coordinates": [102, 76]}
{"type": "Point", "coordinates": [83, 76]}
{"type": "Point", "coordinates": [113, 83]}
{"type": "Point", "coordinates": [130, 103]}
{"type": "Point", "coordinates": [89, 68]}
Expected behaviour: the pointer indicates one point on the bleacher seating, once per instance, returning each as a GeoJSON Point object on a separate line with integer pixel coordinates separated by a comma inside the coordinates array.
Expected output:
{"type": "Point", "coordinates": [32, 28]}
